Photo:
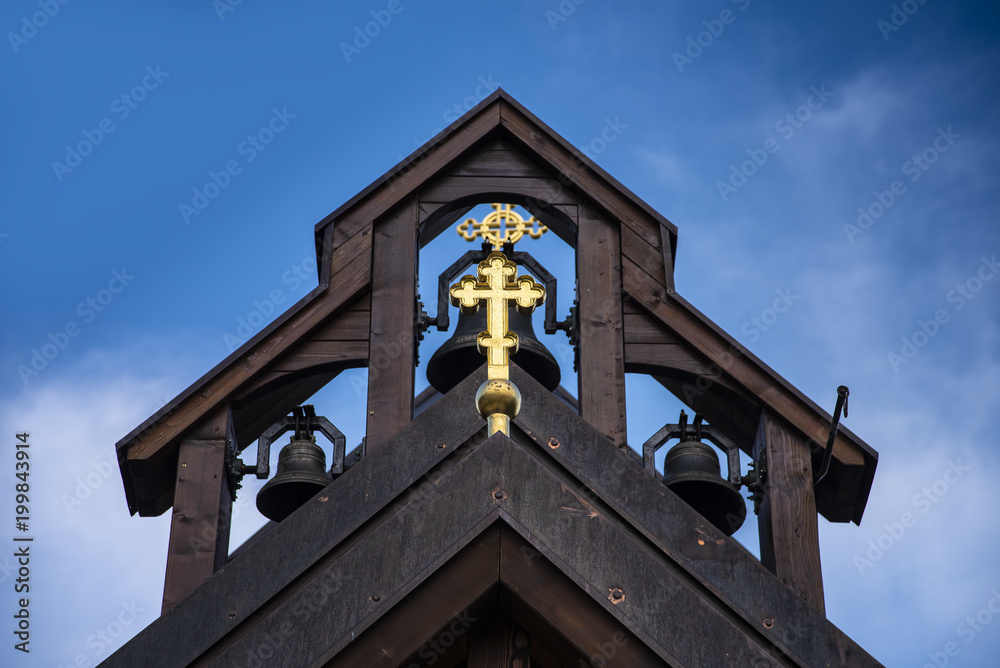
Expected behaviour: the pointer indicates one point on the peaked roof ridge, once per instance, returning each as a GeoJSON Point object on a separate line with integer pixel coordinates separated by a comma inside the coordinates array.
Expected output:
{"type": "Point", "coordinates": [459, 139]}
{"type": "Point", "coordinates": [676, 559]}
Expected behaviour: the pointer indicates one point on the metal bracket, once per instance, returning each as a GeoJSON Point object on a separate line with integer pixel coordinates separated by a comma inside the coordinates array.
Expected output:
{"type": "Point", "coordinates": [679, 431]}
{"type": "Point", "coordinates": [304, 422]}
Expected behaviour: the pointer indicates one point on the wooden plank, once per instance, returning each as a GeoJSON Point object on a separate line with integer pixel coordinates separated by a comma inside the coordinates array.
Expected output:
{"type": "Point", "coordinates": [391, 355]}
{"type": "Point", "coordinates": [719, 564]}
{"type": "Point", "coordinates": [580, 173]}
{"type": "Point", "coordinates": [640, 328]}
{"type": "Point", "coordinates": [451, 188]}
{"type": "Point", "coordinates": [748, 371]}
{"type": "Point", "coordinates": [563, 617]}
{"type": "Point", "coordinates": [162, 431]}
{"type": "Point", "coordinates": [499, 643]}
{"type": "Point", "coordinates": [199, 526]}
{"type": "Point", "coordinates": [446, 597]}
{"type": "Point", "coordinates": [402, 181]}
{"type": "Point", "coordinates": [316, 353]}
{"type": "Point", "coordinates": [602, 359]}
{"type": "Point", "coordinates": [644, 255]}
{"type": "Point", "coordinates": [248, 583]}
{"type": "Point", "coordinates": [667, 248]}
{"type": "Point", "coordinates": [789, 532]}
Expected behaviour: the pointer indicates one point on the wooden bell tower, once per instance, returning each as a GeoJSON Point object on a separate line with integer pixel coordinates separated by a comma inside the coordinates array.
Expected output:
{"type": "Point", "coordinates": [449, 545]}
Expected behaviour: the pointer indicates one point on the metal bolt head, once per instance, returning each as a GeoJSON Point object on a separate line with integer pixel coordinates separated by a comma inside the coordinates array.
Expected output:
{"type": "Point", "coordinates": [498, 494]}
{"type": "Point", "coordinates": [376, 598]}
{"type": "Point", "coordinates": [617, 595]}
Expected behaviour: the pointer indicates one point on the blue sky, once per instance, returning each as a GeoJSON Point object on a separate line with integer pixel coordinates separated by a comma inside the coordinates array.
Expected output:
{"type": "Point", "coordinates": [760, 129]}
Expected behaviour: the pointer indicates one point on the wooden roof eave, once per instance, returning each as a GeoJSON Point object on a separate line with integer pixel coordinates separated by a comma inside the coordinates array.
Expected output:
{"type": "Point", "coordinates": [552, 496]}
{"type": "Point", "coordinates": [498, 111]}
{"type": "Point", "coordinates": [147, 449]}
{"type": "Point", "coordinates": [747, 371]}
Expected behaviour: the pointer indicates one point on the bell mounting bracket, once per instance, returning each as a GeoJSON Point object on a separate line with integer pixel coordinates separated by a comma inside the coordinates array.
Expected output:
{"type": "Point", "coordinates": [755, 478]}
{"type": "Point", "coordinates": [304, 422]}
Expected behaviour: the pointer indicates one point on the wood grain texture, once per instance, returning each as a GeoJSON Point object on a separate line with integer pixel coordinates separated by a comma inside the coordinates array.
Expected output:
{"type": "Point", "coordinates": [391, 354]}
{"type": "Point", "coordinates": [602, 360]}
{"type": "Point", "coordinates": [199, 526]}
{"type": "Point", "coordinates": [499, 642]}
{"type": "Point", "coordinates": [789, 532]}
{"type": "Point", "coordinates": [152, 448]}
{"type": "Point", "coordinates": [751, 375]}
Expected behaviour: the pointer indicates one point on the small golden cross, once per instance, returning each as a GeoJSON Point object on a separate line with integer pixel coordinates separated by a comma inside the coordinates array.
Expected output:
{"type": "Point", "coordinates": [503, 224]}
{"type": "Point", "coordinates": [498, 285]}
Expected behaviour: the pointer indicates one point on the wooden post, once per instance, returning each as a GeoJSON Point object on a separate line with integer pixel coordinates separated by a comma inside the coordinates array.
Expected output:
{"type": "Point", "coordinates": [499, 643]}
{"type": "Point", "coordinates": [391, 349]}
{"type": "Point", "coordinates": [788, 523]}
{"type": "Point", "coordinates": [601, 371]}
{"type": "Point", "coordinates": [200, 523]}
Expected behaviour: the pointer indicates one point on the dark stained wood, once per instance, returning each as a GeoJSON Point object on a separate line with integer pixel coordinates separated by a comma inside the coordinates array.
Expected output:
{"type": "Point", "coordinates": [675, 573]}
{"type": "Point", "coordinates": [315, 353]}
{"type": "Point", "coordinates": [199, 526]}
{"type": "Point", "coordinates": [497, 157]}
{"type": "Point", "coordinates": [733, 413]}
{"type": "Point", "coordinates": [644, 255]}
{"type": "Point", "coordinates": [789, 535]}
{"type": "Point", "coordinates": [152, 447]}
{"type": "Point", "coordinates": [581, 174]}
{"type": "Point", "coordinates": [403, 180]}
{"type": "Point", "coordinates": [756, 378]}
{"type": "Point", "coordinates": [448, 596]}
{"type": "Point", "coordinates": [543, 600]}
{"type": "Point", "coordinates": [391, 355]}
{"type": "Point", "coordinates": [719, 564]}
{"type": "Point", "coordinates": [499, 643]}
{"type": "Point", "coordinates": [450, 188]}
{"type": "Point", "coordinates": [602, 361]}
{"type": "Point", "coordinates": [261, 573]}
{"type": "Point", "coordinates": [668, 247]}
{"type": "Point", "coordinates": [479, 128]}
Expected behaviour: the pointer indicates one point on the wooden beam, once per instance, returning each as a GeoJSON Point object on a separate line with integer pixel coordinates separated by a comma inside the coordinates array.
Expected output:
{"type": "Point", "coordinates": [199, 526]}
{"type": "Point", "coordinates": [499, 643]}
{"type": "Point", "coordinates": [789, 534]}
{"type": "Point", "coordinates": [151, 449]}
{"type": "Point", "coordinates": [602, 359]}
{"type": "Point", "coordinates": [751, 374]}
{"type": "Point", "coordinates": [391, 354]}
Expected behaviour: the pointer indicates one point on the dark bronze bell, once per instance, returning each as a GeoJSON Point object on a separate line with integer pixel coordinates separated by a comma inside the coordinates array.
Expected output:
{"type": "Point", "coordinates": [691, 470]}
{"type": "Point", "coordinates": [459, 356]}
{"type": "Point", "coordinates": [301, 474]}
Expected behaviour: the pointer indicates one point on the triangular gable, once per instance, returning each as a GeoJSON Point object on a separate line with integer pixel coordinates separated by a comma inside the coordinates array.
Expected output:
{"type": "Point", "coordinates": [358, 549]}
{"type": "Point", "coordinates": [540, 163]}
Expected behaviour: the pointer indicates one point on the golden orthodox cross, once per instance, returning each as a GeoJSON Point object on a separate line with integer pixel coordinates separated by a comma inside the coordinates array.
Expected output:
{"type": "Point", "coordinates": [502, 225]}
{"type": "Point", "coordinates": [497, 285]}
